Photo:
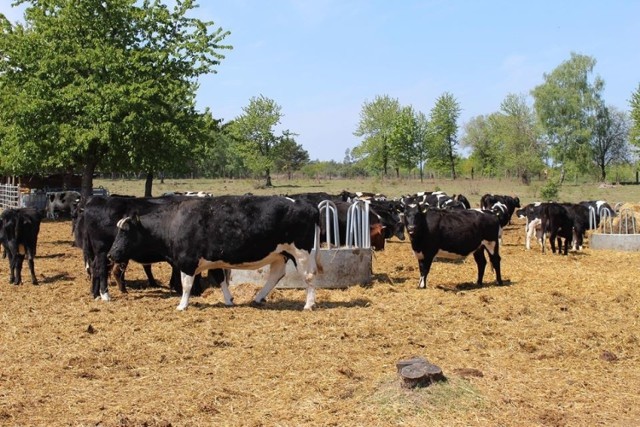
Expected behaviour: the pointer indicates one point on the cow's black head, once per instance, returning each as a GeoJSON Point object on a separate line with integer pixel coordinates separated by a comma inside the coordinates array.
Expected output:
{"type": "Point", "coordinates": [128, 241]}
{"type": "Point", "coordinates": [414, 218]}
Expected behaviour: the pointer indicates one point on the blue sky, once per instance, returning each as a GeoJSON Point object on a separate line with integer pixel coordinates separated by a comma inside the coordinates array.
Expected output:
{"type": "Point", "coordinates": [320, 60]}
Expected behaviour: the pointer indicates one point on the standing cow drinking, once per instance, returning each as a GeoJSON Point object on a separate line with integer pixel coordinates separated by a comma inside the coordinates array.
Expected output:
{"type": "Point", "coordinates": [228, 232]}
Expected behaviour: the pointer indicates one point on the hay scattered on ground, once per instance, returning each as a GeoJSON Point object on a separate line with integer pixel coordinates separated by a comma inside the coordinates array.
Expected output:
{"type": "Point", "coordinates": [557, 346]}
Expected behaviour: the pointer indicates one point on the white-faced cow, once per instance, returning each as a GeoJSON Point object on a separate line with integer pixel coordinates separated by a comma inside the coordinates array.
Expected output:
{"type": "Point", "coordinates": [19, 230]}
{"type": "Point", "coordinates": [452, 234]}
{"type": "Point", "coordinates": [228, 232]}
{"type": "Point", "coordinates": [61, 201]}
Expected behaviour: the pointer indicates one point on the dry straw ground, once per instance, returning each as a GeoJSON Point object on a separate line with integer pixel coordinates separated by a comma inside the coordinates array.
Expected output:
{"type": "Point", "coordinates": [557, 346]}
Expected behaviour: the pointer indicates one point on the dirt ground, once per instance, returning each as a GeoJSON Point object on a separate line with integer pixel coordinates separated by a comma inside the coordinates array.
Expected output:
{"type": "Point", "coordinates": [558, 346]}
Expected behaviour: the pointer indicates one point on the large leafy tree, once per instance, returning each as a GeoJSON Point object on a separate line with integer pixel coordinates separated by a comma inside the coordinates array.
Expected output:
{"type": "Point", "coordinates": [289, 155]}
{"type": "Point", "coordinates": [566, 104]}
{"type": "Point", "coordinates": [102, 83]}
{"type": "Point", "coordinates": [254, 131]}
{"type": "Point", "coordinates": [376, 125]}
{"type": "Point", "coordinates": [422, 141]}
{"type": "Point", "coordinates": [521, 143]}
{"type": "Point", "coordinates": [486, 150]}
{"type": "Point", "coordinates": [609, 142]}
{"type": "Point", "coordinates": [444, 130]}
{"type": "Point", "coordinates": [402, 140]}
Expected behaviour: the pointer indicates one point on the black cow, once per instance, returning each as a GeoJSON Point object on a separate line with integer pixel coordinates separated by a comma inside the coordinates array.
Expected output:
{"type": "Point", "coordinates": [95, 230]}
{"type": "Point", "coordinates": [61, 201]}
{"type": "Point", "coordinates": [556, 223]}
{"type": "Point", "coordinates": [489, 200]}
{"type": "Point", "coordinates": [19, 230]}
{"type": "Point", "coordinates": [579, 214]}
{"type": "Point", "coordinates": [228, 232]}
{"type": "Point", "coordinates": [452, 234]}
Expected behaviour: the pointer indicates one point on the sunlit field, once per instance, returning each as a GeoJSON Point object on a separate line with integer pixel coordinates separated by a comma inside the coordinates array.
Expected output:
{"type": "Point", "coordinates": [558, 345]}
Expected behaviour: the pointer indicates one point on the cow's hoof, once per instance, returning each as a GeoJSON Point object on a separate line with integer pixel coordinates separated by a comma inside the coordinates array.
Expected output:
{"type": "Point", "coordinates": [105, 296]}
{"type": "Point", "coordinates": [258, 303]}
{"type": "Point", "coordinates": [309, 307]}
{"type": "Point", "coordinates": [181, 307]}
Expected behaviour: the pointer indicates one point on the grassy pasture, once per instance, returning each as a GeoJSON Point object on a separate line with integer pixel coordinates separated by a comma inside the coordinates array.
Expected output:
{"type": "Point", "coordinates": [557, 346]}
{"type": "Point", "coordinates": [472, 189]}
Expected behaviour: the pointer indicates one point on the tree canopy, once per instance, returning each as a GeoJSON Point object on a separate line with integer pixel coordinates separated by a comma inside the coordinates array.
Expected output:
{"type": "Point", "coordinates": [102, 83]}
{"type": "Point", "coordinates": [566, 104]}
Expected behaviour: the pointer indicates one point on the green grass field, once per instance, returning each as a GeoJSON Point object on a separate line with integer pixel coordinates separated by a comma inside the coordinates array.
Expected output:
{"type": "Point", "coordinates": [472, 189]}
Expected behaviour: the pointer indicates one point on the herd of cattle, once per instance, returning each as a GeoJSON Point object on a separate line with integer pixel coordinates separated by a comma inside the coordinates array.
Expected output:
{"type": "Point", "coordinates": [219, 234]}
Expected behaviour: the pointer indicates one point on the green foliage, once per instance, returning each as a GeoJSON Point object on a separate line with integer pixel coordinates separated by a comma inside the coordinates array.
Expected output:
{"type": "Point", "coordinates": [377, 123]}
{"type": "Point", "coordinates": [565, 104]}
{"type": "Point", "coordinates": [289, 156]}
{"type": "Point", "coordinates": [111, 84]}
{"type": "Point", "coordinates": [550, 190]}
{"type": "Point", "coordinates": [443, 133]}
{"type": "Point", "coordinates": [261, 150]}
{"type": "Point", "coordinates": [634, 103]}
{"type": "Point", "coordinates": [609, 145]}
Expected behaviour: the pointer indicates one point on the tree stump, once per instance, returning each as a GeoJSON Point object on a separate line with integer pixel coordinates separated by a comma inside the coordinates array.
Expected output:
{"type": "Point", "coordinates": [418, 372]}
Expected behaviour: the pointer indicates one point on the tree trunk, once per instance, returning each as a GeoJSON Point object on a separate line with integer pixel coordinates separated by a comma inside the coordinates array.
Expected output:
{"type": "Point", "coordinates": [86, 189]}
{"type": "Point", "coordinates": [148, 184]}
{"type": "Point", "coordinates": [268, 179]}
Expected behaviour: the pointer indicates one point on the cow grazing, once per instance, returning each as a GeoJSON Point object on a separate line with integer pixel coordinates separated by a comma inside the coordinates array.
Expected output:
{"type": "Point", "coordinates": [384, 219]}
{"type": "Point", "coordinates": [376, 226]}
{"type": "Point", "coordinates": [599, 209]}
{"type": "Point", "coordinates": [388, 211]}
{"type": "Point", "coordinates": [488, 200]}
{"type": "Point", "coordinates": [19, 230]}
{"type": "Point", "coordinates": [61, 201]}
{"type": "Point", "coordinates": [452, 234]}
{"type": "Point", "coordinates": [228, 232]}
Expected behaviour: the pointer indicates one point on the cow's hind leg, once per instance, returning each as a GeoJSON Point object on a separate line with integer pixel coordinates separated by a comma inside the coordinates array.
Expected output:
{"type": "Point", "coordinates": [276, 272]}
{"type": "Point", "coordinates": [32, 270]}
{"type": "Point", "coordinates": [495, 263]}
{"type": "Point", "coordinates": [222, 276]}
{"type": "Point", "coordinates": [481, 262]}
